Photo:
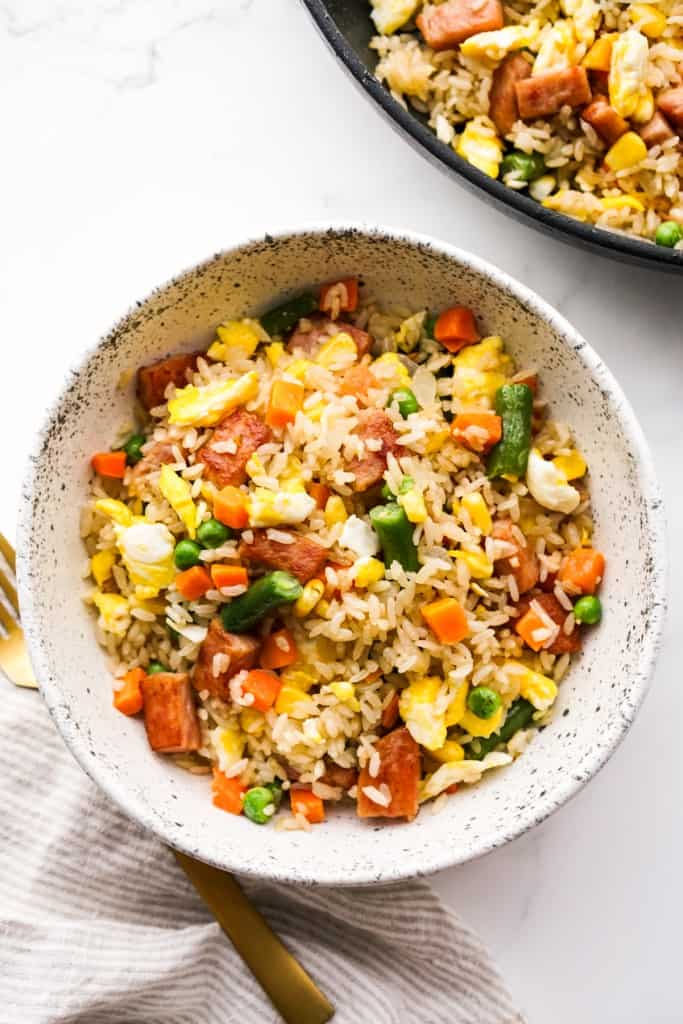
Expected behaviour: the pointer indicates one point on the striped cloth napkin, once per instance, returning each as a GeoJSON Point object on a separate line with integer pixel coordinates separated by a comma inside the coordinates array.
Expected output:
{"type": "Point", "coordinates": [98, 925]}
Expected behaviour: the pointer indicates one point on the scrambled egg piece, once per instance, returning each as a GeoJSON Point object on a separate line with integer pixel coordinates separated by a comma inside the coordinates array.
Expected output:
{"type": "Point", "coordinates": [539, 690]}
{"type": "Point", "coordinates": [557, 49]}
{"type": "Point", "coordinates": [416, 707]}
{"type": "Point", "coordinates": [449, 752]}
{"type": "Point", "coordinates": [237, 337]}
{"type": "Point", "coordinates": [388, 15]}
{"type": "Point", "coordinates": [114, 613]}
{"type": "Point", "coordinates": [480, 146]}
{"type": "Point", "coordinates": [410, 332]}
{"type": "Point", "coordinates": [549, 486]}
{"type": "Point", "coordinates": [457, 707]}
{"type": "Point", "coordinates": [206, 405]}
{"type": "Point", "coordinates": [477, 726]}
{"type": "Point", "coordinates": [146, 548]}
{"type": "Point", "coordinates": [339, 353]}
{"type": "Point", "coordinates": [460, 771]}
{"type": "Point", "coordinates": [585, 15]}
{"type": "Point", "coordinates": [496, 45]}
{"type": "Point", "coordinates": [101, 565]}
{"type": "Point", "coordinates": [628, 71]}
{"type": "Point", "coordinates": [178, 494]}
{"type": "Point", "coordinates": [390, 371]}
{"type": "Point", "coordinates": [573, 466]}
{"type": "Point", "coordinates": [344, 692]}
{"type": "Point", "coordinates": [229, 741]}
{"type": "Point", "coordinates": [277, 508]}
{"type": "Point", "coordinates": [479, 370]}
{"type": "Point", "coordinates": [359, 537]}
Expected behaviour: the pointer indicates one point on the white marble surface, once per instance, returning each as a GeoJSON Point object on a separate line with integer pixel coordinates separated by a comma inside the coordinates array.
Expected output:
{"type": "Point", "coordinates": [141, 135]}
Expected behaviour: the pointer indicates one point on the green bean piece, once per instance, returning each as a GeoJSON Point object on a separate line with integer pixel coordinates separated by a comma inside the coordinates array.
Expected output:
{"type": "Point", "coordinates": [514, 404]}
{"type": "Point", "coordinates": [262, 597]}
{"type": "Point", "coordinates": [256, 801]}
{"type": "Point", "coordinates": [522, 166]}
{"type": "Point", "coordinates": [186, 554]}
{"type": "Point", "coordinates": [283, 318]}
{"type": "Point", "coordinates": [406, 401]}
{"type": "Point", "coordinates": [395, 532]}
{"type": "Point", "coordinates": [155, 667]}
{"type": "Point", "coordinates": [429, 323]}
{"type": "Point", "coordinates": [212, 534]}
{"type": "Point", "coordinates": [483, 701]}
{"type": "Point", "coordinates": [133, 448]}
{"type": "Point", "coordinates": [588, 610]}
{"type": "Point", "coordinates": [275, 788]}
{"type": "Point", "coordinates": [518, 717]}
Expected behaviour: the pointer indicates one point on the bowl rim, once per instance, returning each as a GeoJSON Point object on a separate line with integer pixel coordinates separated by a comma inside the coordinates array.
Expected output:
{"type": "Point", "coordinates": [390, 870]}
{"type": "Point", "coordinates": [607, 242]}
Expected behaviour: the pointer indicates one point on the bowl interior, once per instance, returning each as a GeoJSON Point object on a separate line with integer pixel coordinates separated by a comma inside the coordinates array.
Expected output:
{"type": "Point", "coordinates": [598, 698]}
{"type": "Point", "coordinates": [348, 29]}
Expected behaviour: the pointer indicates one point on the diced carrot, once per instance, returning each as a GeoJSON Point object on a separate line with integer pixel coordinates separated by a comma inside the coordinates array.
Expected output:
{"type": "Point", "coordinates": [193, 583]}
{"type": "Point", "coordinates": [529, 378]}
{"type": "Point", "coordinates": [229, 575]}
{"type": "Point", "coordinates": [227, 793]}
{"type": "Point", "coordinates": [357, 380]}
{"type": "Point", "coordinates": [286, 399]}
{"type": "Point", "coordinates": [453, 788]}
{"type": "Point", "coordinates": [456, 328]}
{"type": "Point", "coordinates": [264, 686]}
{"type": "Point", "coordinates": [447, 619]}
{"type": "Point", "coordinates": [128, 699]}
{"type": "Point", "coordinates": [112, 464]}
{"type": "Point", "coordinates": [230, 507]}
{"type": "Point", "coordinates": [349, 296]}
{"type": "Point", "coordinates": [278, 650]}
{"type": "Point", "coordinates": [527, 626]}
{"type": "Point", "coordinates": [304, 801]}
{"type": "Point", "coordinates": [320, 493]}
{"type": "Point", "coordinates": [486, 421]}
{"type": "Point", "coordinates": [583, 568]}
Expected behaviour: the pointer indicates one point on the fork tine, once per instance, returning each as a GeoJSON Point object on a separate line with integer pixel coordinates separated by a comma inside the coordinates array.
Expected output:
{"type": "Point", "coordinates": [6, 619]}
{"type": "Point", "coordinates": [9, 591]}
{"type": "Point", "coordinates": [7, 552]}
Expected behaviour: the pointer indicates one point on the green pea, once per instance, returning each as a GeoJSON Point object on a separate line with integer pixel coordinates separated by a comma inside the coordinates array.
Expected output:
{"type": "Point", "coordinates": [483, 702]}
{"type": "Point", "coordinates": [406, 400]}
{"type": "Point", "coordinates": [187, 554]}
{"type": "Point", "coordinates": [133, 448]}
{"type": "Point", "coordinates": [588, 610]}
{"type": "Point", "coordinates": [522, 166]}
{"type": "Point", "coordinates": [256, 800]}
{"type": "Point", "coordinates": [154, 667]}
{"type": "Point", "coordinates": [211, 533]}
{"type": "Point", "coordinates": [669, 233]}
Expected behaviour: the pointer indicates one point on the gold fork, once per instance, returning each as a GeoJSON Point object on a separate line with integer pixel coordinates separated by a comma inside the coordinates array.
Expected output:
{"type": "Point", "coordinates": [290, 989]}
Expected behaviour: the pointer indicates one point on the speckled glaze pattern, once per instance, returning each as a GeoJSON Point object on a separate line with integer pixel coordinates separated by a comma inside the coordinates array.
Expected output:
{"type": "Point", "coordinates": [601, 694]}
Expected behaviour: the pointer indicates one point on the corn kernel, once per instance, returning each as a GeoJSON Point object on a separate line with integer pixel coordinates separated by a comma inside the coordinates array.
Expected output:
{"type": "Point", "coordinates": [478, 511]}
{"type": "Point", "coordinates": [436, 441]}
{"type": "Point", "coordinates": [312, 593]}
{"type": "Point", "coordinates": [275, 352]}
{"type": "Point", "coordinates": [626, 152]}
{"type": "Point", "coordinates": [390, 371]}
{"type": "Point", "coordinates": [335, 511]}
{"type": "Point", "coordinates": [572, 466]}
{"type": "Point", "coordinates": [288, 699]}
{"type": "Point", "coordinates": [413, 505]}
{"type": "Point", "coordinates": [300, 677]}
{"type": "Point", "coordinates": [450, 751]}
{"type": "Point", "coordinates": [599, 56]}
{"type": "Point", "coordinates": [255, 467]}
{"type": "Point", "coordinates": [323, 608]}
{"type": "Point", "coordinates": [477, 562]}
{"type": "Point", "coordinates": [457, 707]}
{"type": "Point", "coordinates": [368, 571]}
{"type": "Point", "coordinates": [485, 727]}
{"type": "Point", "coordinates": [242, 334]}
{"type": "Point", "coordinates": [624, 202]}
{"type": "Point", "coordinates": [417, 709]}
{"type": "Point", "coordinates": [650, 21]}
{"type": "Point", "coordinates": [101, 565]}
{"type": "Point", "coordinates": [252, 722]}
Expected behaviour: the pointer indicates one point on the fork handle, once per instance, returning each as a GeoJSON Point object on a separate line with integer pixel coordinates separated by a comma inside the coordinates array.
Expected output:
{"type": "Point", "coordinates": [290, 989]}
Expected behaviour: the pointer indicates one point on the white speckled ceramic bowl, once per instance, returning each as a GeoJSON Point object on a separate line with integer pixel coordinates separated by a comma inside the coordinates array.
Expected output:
{"type": "Point", "coordinates": [598, 699]}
